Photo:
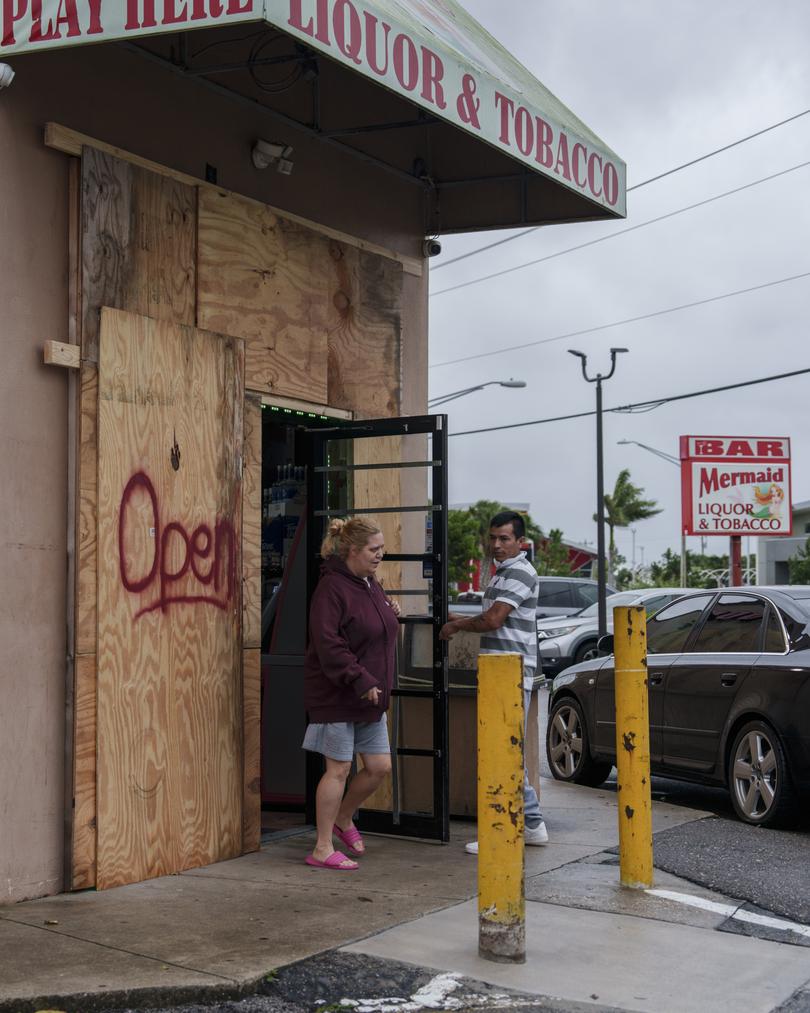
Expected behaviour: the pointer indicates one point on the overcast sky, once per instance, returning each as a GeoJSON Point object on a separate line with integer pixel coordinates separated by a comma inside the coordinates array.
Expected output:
{"type": "Point", "coordinates": [660, 83]}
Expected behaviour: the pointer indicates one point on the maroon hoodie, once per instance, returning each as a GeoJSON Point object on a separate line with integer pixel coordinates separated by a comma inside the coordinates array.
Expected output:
{"type": "Point", "coordinates": [352, 639]}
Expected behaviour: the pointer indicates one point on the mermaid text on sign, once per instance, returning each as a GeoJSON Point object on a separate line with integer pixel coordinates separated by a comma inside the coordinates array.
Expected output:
{"type": "Point", "coordinates": [736, 485]}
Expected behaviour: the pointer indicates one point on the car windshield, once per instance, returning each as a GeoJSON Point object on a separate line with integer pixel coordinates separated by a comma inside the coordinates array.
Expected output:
{"type": "Point", "coordinates": [622, 598]}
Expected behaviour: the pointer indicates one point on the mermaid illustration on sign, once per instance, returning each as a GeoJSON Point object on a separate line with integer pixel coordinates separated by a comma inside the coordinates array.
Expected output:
{"type": "Point", "coordinates": [769, 499]}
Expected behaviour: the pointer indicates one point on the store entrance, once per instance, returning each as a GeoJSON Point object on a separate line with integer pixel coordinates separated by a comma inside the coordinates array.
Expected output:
{"type": "Point", "coordinates": [284, 613]}
{"type": "Point", "coordinates": [314, 468]}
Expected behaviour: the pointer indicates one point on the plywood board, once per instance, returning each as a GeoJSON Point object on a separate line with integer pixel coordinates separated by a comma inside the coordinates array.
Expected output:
{"type": "Point", "coordinates": [83, 846]}
{"type": "Point", "coordinates": [71, 142]}
{"type": "Point", "coordinates": [86, 578]}
{"type": "Point", "coordinates": [251, 783]}
{"type": "Point", "coordinates": [365, 326]}
{"type": "Point", "coordinates": [265, 279]}
{"type": "Point", "coordinates": [252, 525]}
{"type": "Point", "coordinates": [139, 232]}
{"type": "Point", "coordinates": [170, 725]}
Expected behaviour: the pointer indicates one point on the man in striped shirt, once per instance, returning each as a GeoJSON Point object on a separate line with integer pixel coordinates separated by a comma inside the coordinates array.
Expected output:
{"type": "Point", "coordinates": [508, 624]}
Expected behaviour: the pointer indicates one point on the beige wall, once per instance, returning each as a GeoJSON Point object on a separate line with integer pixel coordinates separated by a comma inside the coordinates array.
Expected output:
{"type": "Point", "coordinates": [113, 95]}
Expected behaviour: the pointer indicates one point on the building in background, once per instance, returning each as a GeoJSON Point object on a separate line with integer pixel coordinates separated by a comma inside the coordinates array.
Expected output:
{"type": "Point", "coordinates": [773, 553]}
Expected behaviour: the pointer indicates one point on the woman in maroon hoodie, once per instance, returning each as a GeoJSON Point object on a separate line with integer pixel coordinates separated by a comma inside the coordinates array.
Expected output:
{"type": "Point", "coordinates": [348, 677]}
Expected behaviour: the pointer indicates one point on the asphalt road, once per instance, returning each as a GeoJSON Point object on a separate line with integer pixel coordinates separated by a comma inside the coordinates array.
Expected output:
{"type": "Point", "coordinates": [345, 982]}
{"type": "Point", "coordinates": [766, 868]}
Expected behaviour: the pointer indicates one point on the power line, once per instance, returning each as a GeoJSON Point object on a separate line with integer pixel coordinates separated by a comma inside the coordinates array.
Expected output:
{"type": "Point", "coordinates": [638, 405]}
{"type": "Point", "coordinates": [621, 232]}
{"type": "Point", "coordinates": [619, 323]}
{"type": "Point", "coordinates": [636, 186]}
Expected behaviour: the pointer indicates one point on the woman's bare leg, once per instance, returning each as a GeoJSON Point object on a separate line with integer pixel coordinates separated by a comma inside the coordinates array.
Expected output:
{"type": "Point", "coordinates": [376, 767]}
{"type": "Point", "coordinates": [327, 803]}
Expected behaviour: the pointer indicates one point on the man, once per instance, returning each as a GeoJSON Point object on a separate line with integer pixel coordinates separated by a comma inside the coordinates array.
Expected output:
{"type": "Point", "coordinates": [508, 624]}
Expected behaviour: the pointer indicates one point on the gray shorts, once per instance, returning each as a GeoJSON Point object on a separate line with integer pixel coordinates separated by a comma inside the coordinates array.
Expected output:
{"type": "Point", "coordinates": [340, 740]}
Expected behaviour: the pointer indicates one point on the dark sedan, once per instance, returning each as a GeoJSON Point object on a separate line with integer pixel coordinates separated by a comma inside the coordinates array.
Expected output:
{"type": "Point", "coordinates": [729, 698]}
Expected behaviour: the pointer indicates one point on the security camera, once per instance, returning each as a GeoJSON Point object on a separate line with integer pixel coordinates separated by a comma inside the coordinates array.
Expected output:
{"type": "Point", "coordinates": [6, 75]}
{"type": "Point", "coordinates": [267, 153]}
{"type": "Point", "coordinates": [431, 248]}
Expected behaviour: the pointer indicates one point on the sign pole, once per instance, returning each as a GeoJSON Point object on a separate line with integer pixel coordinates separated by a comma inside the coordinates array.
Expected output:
{"type": "Point", "coordinates": [735, 561]}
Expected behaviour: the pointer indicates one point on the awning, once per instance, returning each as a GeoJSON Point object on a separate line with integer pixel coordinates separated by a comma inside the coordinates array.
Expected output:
{"type": "Point", "coordinates": [430, 53]}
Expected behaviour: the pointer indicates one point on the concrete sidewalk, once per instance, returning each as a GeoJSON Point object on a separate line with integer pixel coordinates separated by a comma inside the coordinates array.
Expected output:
{"type": "Point", "coordinates": [214, 933]}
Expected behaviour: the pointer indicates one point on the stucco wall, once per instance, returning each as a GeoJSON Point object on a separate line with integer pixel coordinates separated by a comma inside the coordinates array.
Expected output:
{"type": "Point", "coordinates": [115, 96]}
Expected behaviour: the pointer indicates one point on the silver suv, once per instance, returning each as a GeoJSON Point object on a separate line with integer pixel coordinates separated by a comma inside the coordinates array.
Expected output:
{"type": "Point", "coordinates": [572, 640]}
{"type": "Point", "coordinates": [558, 596]}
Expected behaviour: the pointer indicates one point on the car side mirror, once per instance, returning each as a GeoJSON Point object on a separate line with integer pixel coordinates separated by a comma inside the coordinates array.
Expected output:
{"type": "Point", "coordinates": [605, 644]}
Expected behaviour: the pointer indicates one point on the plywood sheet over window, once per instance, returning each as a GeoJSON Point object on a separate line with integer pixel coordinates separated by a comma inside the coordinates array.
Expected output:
{"type": "Point", "coordinates": [321, 319]}
{"type": "Point", "coordinates": [169, 740]}
{"type": "Point", "coordinates": [265, 278]}
{"type": "Point", "coordinates": [365, 324]}
{"type": "Point", "coordinates": [139, 235]}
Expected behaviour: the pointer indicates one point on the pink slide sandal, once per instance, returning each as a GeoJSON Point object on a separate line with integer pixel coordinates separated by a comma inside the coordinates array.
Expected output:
{"type": "Point", "coordinates": [336, 862]}
{"type": "Point", "coordinates": [351, 838]}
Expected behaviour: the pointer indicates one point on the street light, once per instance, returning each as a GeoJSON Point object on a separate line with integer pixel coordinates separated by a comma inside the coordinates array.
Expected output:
{"type": "Point", "coordinates": [677, 462]}
{"type": "Point", "coordinates": [600, 480]}
{"type": "Point", "coordinates": [434, 402]}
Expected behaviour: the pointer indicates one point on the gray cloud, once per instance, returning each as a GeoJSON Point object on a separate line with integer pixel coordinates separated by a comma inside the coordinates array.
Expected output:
{"type": "Point", "coordinates": [661, 84]}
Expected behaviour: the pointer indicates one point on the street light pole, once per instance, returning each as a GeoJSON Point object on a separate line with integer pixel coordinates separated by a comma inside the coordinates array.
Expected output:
{"type": "Point", "coordinates": [677, 462]}
{"type": "Point", "coordinates": [441, 399]}
{"type": "Point", "coordinates": [600, 481]}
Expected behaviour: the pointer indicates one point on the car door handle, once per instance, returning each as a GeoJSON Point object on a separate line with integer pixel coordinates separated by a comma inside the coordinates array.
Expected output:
{"type": "Point", "coordinates": [728, 678]}
{"type": "Point", "coordinates": [655, 678]}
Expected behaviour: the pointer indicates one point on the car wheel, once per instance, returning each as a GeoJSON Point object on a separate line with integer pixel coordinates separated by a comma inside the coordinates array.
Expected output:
{"type": "Point", "coordinates": [586, 652]}
{"type": "Point", "coordinates": [567, 747]}
{"type": "Point", "coordinates": [759, 781]}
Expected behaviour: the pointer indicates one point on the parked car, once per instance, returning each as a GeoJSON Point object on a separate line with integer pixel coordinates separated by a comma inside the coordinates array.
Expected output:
{"type": "Point", "coordinates": [572, 640]}
{"type": "Point", "coordinates": [558, 596]}
{"type": "Point", "coordinates": [729, 699]}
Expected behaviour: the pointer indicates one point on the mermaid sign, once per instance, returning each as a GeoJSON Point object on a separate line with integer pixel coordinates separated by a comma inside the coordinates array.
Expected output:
{"type": "Point", "coordinates": [736, 485]}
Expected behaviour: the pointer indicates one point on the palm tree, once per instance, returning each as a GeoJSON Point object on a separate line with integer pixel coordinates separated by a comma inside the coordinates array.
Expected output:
{"type": "Point", "coordinates": [625, 506]}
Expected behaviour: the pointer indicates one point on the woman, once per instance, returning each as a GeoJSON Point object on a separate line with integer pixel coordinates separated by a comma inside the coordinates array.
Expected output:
{"type": "Point", "coordinates": [348, 677]}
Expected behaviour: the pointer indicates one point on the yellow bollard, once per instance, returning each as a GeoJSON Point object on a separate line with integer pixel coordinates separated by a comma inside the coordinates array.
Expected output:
{"type": "Point", "coordinates": [633, 746]}
{"type": "Point", "coordinates": [501, 898]}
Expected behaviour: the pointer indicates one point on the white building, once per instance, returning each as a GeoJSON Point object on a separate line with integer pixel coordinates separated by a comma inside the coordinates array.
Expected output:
{"type": "Point", "coordinates": [773, 553]}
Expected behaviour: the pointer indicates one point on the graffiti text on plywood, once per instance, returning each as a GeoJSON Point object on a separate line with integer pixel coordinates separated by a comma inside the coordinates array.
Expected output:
{"type": "Point", "coordinates": [178, 567]}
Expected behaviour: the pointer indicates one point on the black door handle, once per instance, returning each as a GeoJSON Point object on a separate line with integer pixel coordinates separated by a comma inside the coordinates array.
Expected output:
{"type": "Point", "coordinates": [728, 678]}
{"type": "Point", "coordinates": [655, 678]}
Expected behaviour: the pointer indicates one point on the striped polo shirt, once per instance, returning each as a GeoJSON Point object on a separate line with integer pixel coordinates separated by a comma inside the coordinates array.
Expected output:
{"type": "Point", "coordinates": [515, 583]}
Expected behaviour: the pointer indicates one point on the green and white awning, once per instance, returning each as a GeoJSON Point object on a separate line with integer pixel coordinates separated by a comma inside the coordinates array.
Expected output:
{"type": "Point", "coordinates": [429, 52]}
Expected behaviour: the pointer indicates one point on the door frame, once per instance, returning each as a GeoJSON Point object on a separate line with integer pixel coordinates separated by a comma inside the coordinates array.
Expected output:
{"type": "Point", "coordinates": [434, 561]}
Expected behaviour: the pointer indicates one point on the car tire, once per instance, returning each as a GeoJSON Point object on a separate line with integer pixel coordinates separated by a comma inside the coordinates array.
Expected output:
{"type": "Point", "coordinates": [586, 652]}
{"type": "Point", "coordinates": [762, 792]}
{"type": "Point", "coordinates": [567, 746]}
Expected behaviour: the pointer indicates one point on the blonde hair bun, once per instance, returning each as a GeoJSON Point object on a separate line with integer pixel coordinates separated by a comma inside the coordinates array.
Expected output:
{"type": "Point", "coordinates": [342, 534]}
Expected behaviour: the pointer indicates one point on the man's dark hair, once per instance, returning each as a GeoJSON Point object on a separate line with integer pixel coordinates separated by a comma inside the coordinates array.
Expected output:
{"type": "Point", "coordinates": [509, 517]}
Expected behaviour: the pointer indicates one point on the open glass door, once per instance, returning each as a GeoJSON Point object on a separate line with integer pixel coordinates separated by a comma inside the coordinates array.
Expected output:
{"type": "Point", "coordinates": [395, 470]}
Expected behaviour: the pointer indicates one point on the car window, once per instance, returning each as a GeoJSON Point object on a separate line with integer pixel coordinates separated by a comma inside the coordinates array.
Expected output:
{"type": "Point", "coordinates": [622, 598]}
{"type": "Point", "coordinates": [733, 625]}
{"type": "Point", "coordinates": [667, 632]}
{"type": "Point", "coordinates": [585, 594]}
{"type": "Point", "coordinates": [555, 594]}
{"type": "Point", "coordinates": [774, 637]}
{"type": "Point", "coordinates": [654, 604]}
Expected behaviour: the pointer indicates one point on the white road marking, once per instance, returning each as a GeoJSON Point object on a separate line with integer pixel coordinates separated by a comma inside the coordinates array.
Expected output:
{"type": "Point", "coordinates": [436, 994]}
{"type": "Point", "coordinates": [732, 911]}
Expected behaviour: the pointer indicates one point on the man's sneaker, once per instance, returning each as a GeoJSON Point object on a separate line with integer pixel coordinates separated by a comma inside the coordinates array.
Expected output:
{"type": "Point", "coordinates": [535, 836]}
